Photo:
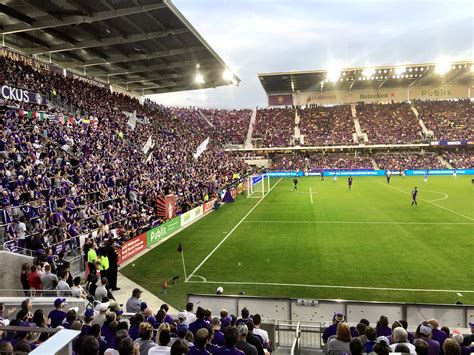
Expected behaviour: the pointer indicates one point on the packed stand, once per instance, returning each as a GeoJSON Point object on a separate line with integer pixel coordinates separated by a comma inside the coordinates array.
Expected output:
{"type": "Point", "coordinates": [317, 161]}
{"type": "Point", "coordinates": [231, 126]}
{"type": "Point", "coordinates": [382, 338]}
{"type": "Point", "coordinates": [276, 126]}
{"type": "Point", "coordinates": [104, 329]}
{"type": "Point", "coordinates": [449, 120]}
{"type": "Point", "coordinates": [327, 125]}
{"type": "Point", "coordinates": [410, 161]}
{"type": "Point", "coordinates": [393, 123]}
{"type": "Point", "coordinates": [61, 178]}
{"type": "Point", "coordinates": [460, 160]}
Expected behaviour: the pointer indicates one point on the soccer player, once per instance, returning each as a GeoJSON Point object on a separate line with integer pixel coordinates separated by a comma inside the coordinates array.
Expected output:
{"type": "Point", "coordinates": [414, 193]}
{"type": "Point", "coordinates": [322, 175]}
{"type": "Point", "coordinates": [295, 182]}
{"type": "Point", "coordinates": [426, 177]}
{"type": "Point", "coordinates": [334, 177]}
{"type": "Point", "coordinates": [349, 182]}
{"type": "Point", "coordinates": [388, 175]}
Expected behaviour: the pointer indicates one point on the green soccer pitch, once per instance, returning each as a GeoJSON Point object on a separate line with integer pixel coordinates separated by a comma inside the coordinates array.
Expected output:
{"type": "Point", "coordinates": [326, 242]}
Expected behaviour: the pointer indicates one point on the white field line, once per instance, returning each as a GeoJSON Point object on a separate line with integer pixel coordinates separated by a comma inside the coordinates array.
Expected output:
{"type": "Point", "coordinates": [361, 222]}
{"type": "Point", "coordinates": [434, 204]}
{"type": "Point", "coordinates": [230, 233]}
{"type": "Point", "coordinates": [311, 195]}
{"type": "Point", "coordinates": [332, 286]}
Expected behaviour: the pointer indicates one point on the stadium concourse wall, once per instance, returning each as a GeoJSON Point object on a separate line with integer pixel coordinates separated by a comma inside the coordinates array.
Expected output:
{"type": "Point", "coordinates": [322, 311]}
{"type": "Point", "coordinates": [342, 172]}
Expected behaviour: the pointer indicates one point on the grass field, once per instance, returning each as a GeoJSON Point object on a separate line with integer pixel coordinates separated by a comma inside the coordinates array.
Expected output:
{"type": "Point", "coordinates": [365, 244]}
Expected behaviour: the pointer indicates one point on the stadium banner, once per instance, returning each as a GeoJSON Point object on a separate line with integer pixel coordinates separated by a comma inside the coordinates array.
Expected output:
{"type": "Point", "coordinates": [17, 57]}
{"type": "Point", "coordinates": [284, 173]}
{"type": "Point", "coordinates": [381, 95]}
{"type": "Point", "coordinates": [440, 172]}
{"type": "Point", "coordinates": [11, 93]}
{"type": "Point", "coordinates": [347, 173]}
{"type": "Point", "coordinates": [166, 206]}
{"type": "Point", "coordinates": [208, 206]}
{"type": "Point", "coordinates": [191, 215]}
{"type": "Point", "coordinates": [71, 75]}
{"type": "Point", "coordinates": [444, 142]}
{"type": "Point", "coordinates": [156, 234]}
{"type": "Point", "coordinates": [132, 247]}
{"type": "Point", "coordinates": [280, 100]}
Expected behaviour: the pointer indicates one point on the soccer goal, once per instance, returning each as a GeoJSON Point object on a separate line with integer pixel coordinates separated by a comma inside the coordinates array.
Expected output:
{"type": "Point", "coordinates": [258, 185]}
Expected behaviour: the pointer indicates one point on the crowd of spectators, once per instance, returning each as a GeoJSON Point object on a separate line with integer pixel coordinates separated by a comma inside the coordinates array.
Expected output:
{"type": "Point", "coordinates": [429, 338]}
{"type": "Point", "coordinates": [104, 330]}
{"type": "Point", "coordinates": [59, 180]}
{"type": "Point", "coordinates": [393, 123]}
{"type": "Point", "coordinates": [327, 125]}
{"type": "Point", "coordinates": [460, 159]}
{"type": "Point", "coordinates": [276, 126]}
{"type": "Point", "coordinates": [449, 120]}
{"type": "Point", "coordinates": [230, 126]}
{"type": "Point", "coordinates": [404, 161]}
{"type": "Point", "coordinates": [318, 161]}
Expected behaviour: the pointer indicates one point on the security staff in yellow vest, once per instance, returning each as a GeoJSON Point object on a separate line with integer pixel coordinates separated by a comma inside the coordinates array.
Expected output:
{"type": "Point", "coordinates": [92, 258]}
{"type": "Point", "coordinates": [104, 263]}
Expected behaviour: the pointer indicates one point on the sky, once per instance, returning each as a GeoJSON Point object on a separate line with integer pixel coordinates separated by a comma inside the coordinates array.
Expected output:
{"type": "Point", "coordinates": [262, 36]}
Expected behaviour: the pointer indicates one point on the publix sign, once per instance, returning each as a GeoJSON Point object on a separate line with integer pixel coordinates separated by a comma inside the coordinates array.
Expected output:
{"type": "Point", "coordinates": [156, 234]}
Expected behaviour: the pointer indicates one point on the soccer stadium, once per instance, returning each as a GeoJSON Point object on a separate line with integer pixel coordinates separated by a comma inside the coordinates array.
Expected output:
{"type": "Point", "coordinates": [156, 201]}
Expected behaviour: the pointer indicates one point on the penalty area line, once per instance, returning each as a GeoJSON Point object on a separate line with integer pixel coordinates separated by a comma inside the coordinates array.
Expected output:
{"type": "Point", "coordinates": [311, 195]}
{"type": "Point", "coordinates": [332, 286]}
{"type": "Point", "coordinates": [362, 222]}
{"type": "Point", "coordinates": [230, 233]}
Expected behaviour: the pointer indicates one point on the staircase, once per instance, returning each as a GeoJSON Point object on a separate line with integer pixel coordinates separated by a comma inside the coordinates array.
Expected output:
{"type": "Point", "coordinates": [374, 164]}
{"type": "Point", "coordinates": [444, 162]}
{"type": "Point", "coordinates": [297, 132]}
{"type": "Point", "coordinates": [248, 139]}
{"type": "Point", "coordinates": [359, 135]}
{"type": "Point", "coordinates": [205, 119]}
{"type": "Point", "coordinates": [426, 132]}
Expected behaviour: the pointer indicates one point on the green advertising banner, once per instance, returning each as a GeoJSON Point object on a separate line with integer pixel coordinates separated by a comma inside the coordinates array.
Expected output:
{"type": "Point", "coordinates": [156, 234]}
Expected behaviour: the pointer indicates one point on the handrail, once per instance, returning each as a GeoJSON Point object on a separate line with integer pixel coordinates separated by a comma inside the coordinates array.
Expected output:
{"type": "Point", "coordinates": [295, 346]}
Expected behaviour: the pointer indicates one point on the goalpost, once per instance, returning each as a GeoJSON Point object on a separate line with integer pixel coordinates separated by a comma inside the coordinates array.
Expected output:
{"type": "Point", "coordinates": [258, 185]}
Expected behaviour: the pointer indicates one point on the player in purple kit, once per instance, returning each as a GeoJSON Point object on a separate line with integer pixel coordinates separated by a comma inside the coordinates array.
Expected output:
{"type": "Point", "coordinates": [349, 183]}
{"type": "Point", "coordinates": [414, 194]}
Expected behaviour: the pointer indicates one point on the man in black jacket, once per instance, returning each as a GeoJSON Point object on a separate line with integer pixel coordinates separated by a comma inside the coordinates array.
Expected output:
{"type": "Point", "coordinates": [113, 264]}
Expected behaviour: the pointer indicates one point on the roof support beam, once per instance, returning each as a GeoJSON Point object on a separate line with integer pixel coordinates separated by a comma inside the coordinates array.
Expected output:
{"type": "Point", "coordinates": [31, 24]}
{"type": "Point", "coordinates": [106, 41]}
{"type": "Point", "coordinates": [154, 67]}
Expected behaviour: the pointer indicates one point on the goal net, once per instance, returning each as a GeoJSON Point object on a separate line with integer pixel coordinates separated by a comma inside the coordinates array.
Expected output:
{"type": "Point", "coordinates": [258, 185]}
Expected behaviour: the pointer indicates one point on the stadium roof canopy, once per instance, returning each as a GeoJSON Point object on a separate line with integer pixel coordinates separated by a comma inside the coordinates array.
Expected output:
{"type": "Point", "coordinates": [391, 76]}
{"type": "Point", "coordinates": [145, 46]}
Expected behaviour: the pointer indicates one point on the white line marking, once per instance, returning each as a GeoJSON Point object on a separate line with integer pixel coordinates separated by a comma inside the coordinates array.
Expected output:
{"type": "Point", "coordinates": [230, 233]}
{"type": "Point", "coordinates": [286, 203]}
{"type": "Point", "coordinates": [361, 222]}
{"type": "Point", "coordinates": [434, 204]}
{"type": "Point", "coordinates": [445, 196]}
{"type": "Point", "coordinates": [311, 195]}
{"type": "Point", "coordinates": [332, 286]}
{"type": "Point", "coordinates": [200, 277]}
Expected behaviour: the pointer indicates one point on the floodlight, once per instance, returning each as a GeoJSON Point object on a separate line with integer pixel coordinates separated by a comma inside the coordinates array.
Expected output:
{"type": "Point", "coordinates": [442, 67]}
{"type": "Point", "coordinates": [368, 72]}
{"type": "Point", "coordinates": [199, 79]}
{"type": "Point", "coordinates": [235, 82]}
{"type": "Point", "coordinates": [333, 75]}
{"type": "Point", "coordinates": [472, 67]}
{"type": "Point", "coordinates": [227, 75]}
{"type": "Point", "coordinates": [399, 70]}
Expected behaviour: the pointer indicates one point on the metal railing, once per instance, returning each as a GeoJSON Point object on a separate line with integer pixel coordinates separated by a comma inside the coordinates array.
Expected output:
{"type": "Point", "coordinates": [295, 348]}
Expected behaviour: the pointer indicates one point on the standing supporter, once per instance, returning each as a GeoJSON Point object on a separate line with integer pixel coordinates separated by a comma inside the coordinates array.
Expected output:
{"type": "Point", "coordinates": [144, 341]}
{"type": "Point", "coordinates": [231, 336]}
{"type": "Point", "coordinates": [92, 258]}
{"type": "Point", "coordinates": [424, 332]}
{"type": "Point", "coordinates": [331, 330]}
{"type": "Point", "coordinates": [113, 264]}
{"type": "Point", "coordinates": [200, 342]}
{"type": "Point", "coordinates": [57, 316]}
{"type": "Point", "coordinates": [63, 287]}
{"type": "Point", "coordinates": [190, 316]}
{"type": "Point", "coordinates": [34, 279]}
{"type": "Point", "coordinates": [200, 322]}
{"type": "Point", "coordinates": [257, 321]}
{"type": "Point", "coordinates": [451, 347]}
{"type": "Point", "coordinates": [218, 338]}
{"type": "Point", "coordinates": [437, 334]}
{"type": "Point", "coordinates": [179, 347]}
{"type": "Point", "coordinates": [101, 290]}
{"type": "Point", "coordinates": [162, 348]}
{"type": "Point", "coordinates": [242, 344]}
{"type": "Point", "coordinates": [371, 335]}
{"type": "Point", "coordinates": [382, 327]}
{"type": "Point", "coordinates": [49, 280]}
{"type": "Point", "coordinates": [24, 275]}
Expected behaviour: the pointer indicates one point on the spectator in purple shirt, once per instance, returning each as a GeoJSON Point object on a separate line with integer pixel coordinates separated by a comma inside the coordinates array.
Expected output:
{"type": "Point", "coordinates": [382, 327]}
{"type": "Point", "coordinates": [245, 317]}
{"type": "Point", "coordinates": [331, 330]}
{"type": "Point", "coordinates": [57, 315]}
{"type": "Point", "coordinates": [200, 322]}
{"type": "Point", "coordinates": [424, 332]}
{"type": "Point", "coordinates": [200, 342]}
{"type": "Point", "coordinates": [218, 338]}
{"type": "Point", "coordinates": [437, 334]}
{"type": "Point", "coordinates": [231, 336]}
{"type": "Point", "coordinates": [168, 319]}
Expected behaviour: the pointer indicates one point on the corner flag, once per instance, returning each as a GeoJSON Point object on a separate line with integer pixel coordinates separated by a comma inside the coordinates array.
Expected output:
{"type": "Point", "coordinates": [180, 248]}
